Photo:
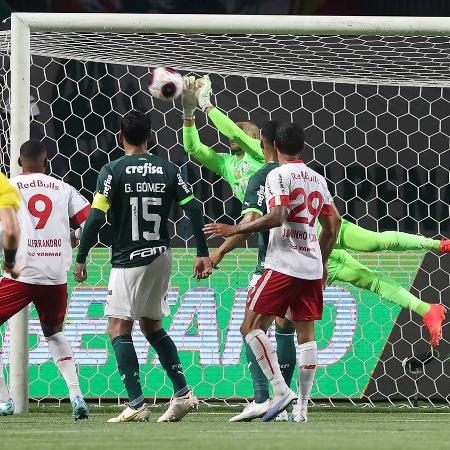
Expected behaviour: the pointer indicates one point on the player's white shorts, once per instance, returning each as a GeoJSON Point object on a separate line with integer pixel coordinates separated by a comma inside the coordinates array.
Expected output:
{"type": "Point", "coordinates": [136, 292]}
{"type": "Point", "coordinates": [252, 284]}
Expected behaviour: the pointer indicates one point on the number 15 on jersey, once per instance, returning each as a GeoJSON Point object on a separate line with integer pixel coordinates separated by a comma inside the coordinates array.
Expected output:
{"type": "Point", "coordinates": [140, 209]}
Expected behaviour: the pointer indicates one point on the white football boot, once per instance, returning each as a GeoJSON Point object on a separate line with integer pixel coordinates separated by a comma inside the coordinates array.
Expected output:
{"type": "Point", "coordinates": [279, 404]}
{"type": "Point", "coordinates": [298, 415]}
{"type": "Point", "coordinates": [252, 411]}
{"type": "Point", "coordinates": [179, 407]}
{"type": "Point", "coordinates": [132, 415]}
{"type": "Point", "coordinates": [7, 408]}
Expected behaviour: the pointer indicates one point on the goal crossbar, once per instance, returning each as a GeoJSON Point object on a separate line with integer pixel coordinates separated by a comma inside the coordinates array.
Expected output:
{"type": "Point", "coordinates": [248, 24]}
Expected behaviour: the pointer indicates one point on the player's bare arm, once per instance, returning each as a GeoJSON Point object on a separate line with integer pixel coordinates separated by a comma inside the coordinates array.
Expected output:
{"type": "Point", "coordinates": [273, 219]}
{"type": "Point", "coordinates": [233, 241]}
{"type": "Point", "coordinates": [94, 222]}
{"type": "Point", "coordinates": [11, 236]}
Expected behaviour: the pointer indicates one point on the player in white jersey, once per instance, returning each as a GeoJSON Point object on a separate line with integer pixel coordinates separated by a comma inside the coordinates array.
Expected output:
{"type": "Point", "coordinates": [48, 205]}
{"type": "Point", "coordinates": [295, 266]}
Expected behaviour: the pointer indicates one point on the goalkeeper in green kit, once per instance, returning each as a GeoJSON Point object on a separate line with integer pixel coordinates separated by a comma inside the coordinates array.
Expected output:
{"type": "Point", "coordinates": [341, 265]}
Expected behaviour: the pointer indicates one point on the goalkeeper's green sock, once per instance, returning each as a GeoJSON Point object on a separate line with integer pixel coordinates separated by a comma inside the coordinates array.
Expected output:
{"type": "Point", "coordinates": [286, 352]}
{"type": "Point", "coordinates": [169, 359]}
{"type": "Point", "coordinates": [393, 292]}
{"type": "Point", "coordinates": [260, 382]}
{"type": "Point", "coordinates": [128, 366]}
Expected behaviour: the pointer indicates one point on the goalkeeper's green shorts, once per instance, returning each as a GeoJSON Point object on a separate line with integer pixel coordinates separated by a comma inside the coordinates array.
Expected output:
{"type": "Point", "coordinates": [340, 259]}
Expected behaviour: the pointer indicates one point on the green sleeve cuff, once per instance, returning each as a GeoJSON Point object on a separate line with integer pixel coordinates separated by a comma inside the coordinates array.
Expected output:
{"type": "Point", "coordinates": [255, 210]}
{"type": "Point", "coordinates": [187, 199]}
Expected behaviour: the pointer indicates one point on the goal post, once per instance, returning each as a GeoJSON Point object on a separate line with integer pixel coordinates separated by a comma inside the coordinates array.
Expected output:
{"type": "Point", "coordinates": [62, 36]}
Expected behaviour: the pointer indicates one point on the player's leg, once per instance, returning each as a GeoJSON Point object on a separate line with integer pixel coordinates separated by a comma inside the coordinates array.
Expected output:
{"type": "Point", "coordinates": [286, 351]}
{"type": "Point", "coordinates": [261, 397]}
{"type": "Point", "coordinates": [14, 296]}
{"type": "Point", "coordinates": [355, 273]}
{"type": "Point", "coordinates": [354, 237]}
{"type": "Point", "coordinates": [51, 305]}
{"type": "Point", "coordinates": [120, 306]}
{"type": "Point", "coordinates": [270, 298]}
{"type": "Point", "coordinates": [152, 307]}
{"type": "Point", "coordinates": [307, 363]}
{"type": "Point", "coordinates": [307, 309]}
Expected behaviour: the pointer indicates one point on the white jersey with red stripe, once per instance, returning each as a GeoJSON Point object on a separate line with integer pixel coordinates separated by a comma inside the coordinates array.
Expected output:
{"type": "Point", "coordinates": [294, 248]}
{"type": "Point", "coordinates": [48, 205]}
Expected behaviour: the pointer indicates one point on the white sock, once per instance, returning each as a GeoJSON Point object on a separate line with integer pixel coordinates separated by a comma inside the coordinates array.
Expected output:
{"type": "Point", "coordinates": [4, 393]}
{"type": "Point", "coordinates": [63, 358]}
{"type": "Point", "coordinates": [307, 362]}
{"type": "Point", "coordinates": [266, 356]}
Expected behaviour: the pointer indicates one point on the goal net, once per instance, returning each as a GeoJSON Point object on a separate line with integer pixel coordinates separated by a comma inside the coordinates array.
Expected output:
{"type": "Point", "coordinates": [376, 113]}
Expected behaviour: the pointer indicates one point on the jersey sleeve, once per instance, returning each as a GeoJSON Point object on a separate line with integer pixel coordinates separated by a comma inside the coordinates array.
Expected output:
{"type": "Point", "coordinates": [201, 152]}
{"type": "Point", "coordinates": [9, 196]}
{"type": "Point", "coordinates": [254, 200]}
{"type": "Point", "coordinates": [229, 129]}
{"type": "Point", "coordinates": [277, 189]}
{"type": "Point", "coordinates": [328, 208]}
{"type": "Point", "coordinates": [79, 207]}
{"type": "Point", "coordinates": [105, 186]}
{"type": "Point", "coordinates": [182, 193]}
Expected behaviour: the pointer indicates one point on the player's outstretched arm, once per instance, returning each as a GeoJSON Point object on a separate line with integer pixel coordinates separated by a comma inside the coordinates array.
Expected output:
{"type": "Point", "coordinates": [273, 219]}
{"type": "Point", "coordinates": [92, 226]}
{"type": "Point", "coordinates": [191, 139]}
{"type": "Point", "coordinates": [202, 265]}
{"type": "Point", "coordinates": [224, 124]}
{"type": "Point", "coordinates": [232, 242]}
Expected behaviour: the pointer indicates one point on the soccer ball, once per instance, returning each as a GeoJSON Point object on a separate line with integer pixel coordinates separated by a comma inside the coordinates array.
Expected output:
{"type": "Point", "coordinates": [165, 84]}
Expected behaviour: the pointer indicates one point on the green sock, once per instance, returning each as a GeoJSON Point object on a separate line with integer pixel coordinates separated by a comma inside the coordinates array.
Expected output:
{"type": "Point", "coordinates": [355, 273]}
{"type": "Point", "coordinates": [170, 361]}
{"type": "Point", "coordinates": [128, 366]}
{"type": "Point", "coordinates": [286, 352]}
{"type": "Point", "coordinates": [260, 382]}
{"type": "Point", "coordinates": [393, 292]}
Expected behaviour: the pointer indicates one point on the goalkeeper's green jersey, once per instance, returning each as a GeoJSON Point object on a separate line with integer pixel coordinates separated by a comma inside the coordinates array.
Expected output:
{"type": "Point", "coordinates": [236, 171]}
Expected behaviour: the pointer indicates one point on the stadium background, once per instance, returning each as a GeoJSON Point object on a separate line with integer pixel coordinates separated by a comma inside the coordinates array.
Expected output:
{"type": "Point", "coordinates": [368, 180]}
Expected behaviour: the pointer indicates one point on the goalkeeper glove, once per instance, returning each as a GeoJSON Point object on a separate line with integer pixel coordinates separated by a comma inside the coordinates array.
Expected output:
{"type": "Point", "coordinates": [204, 91]}
{"type": "Point", "coordinates": [188, 97]}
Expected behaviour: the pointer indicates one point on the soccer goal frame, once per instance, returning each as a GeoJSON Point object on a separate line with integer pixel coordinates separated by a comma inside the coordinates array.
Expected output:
{"type": "Point", "coordinates": [22, 24]}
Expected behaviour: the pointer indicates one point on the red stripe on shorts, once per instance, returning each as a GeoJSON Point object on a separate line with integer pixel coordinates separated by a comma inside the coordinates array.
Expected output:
{"type": "Point", "coordinates": [64, 358]}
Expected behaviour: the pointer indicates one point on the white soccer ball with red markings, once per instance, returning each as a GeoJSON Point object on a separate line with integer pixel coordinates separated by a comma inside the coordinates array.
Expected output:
{"type": "Point", "coordinates": [165, 84]}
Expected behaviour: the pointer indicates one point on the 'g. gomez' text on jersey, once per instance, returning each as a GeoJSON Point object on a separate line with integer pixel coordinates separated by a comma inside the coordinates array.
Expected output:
{"type": "Point", "coordinates": [294, 248]}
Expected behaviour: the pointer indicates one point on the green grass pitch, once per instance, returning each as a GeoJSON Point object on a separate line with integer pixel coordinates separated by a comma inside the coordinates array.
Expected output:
{"type": "Point", "coordinates": [51, 427]}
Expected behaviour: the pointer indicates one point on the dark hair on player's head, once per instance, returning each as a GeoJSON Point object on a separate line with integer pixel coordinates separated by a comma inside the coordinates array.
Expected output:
{"type": "Point", "coordinates": [290, 138]}
{"type": "Point", "coordinates": [136, 127]}
{"type": "Point", "coordinates": [269, 129]}
{"type": "Point", "coordinates": [33, 150]}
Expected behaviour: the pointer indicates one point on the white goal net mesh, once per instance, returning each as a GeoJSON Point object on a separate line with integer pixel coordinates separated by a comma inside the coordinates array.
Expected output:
{"type": "Point", "coordinates": [376, 113]}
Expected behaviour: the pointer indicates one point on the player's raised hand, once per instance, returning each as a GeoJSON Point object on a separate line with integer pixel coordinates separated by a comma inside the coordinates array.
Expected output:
{"type": "Point", "coordinates": [203, 93]}
{"type": "Point", "coordinates": [188, 98]}
{"type": "Point", "coordinates": [219, 229]}
{"type": "Point", "coordinates": [13, 270]}
{"type": "Point", "coordinates": [202, 267]}
{"type": "Point", "coordinates": [80, 272]}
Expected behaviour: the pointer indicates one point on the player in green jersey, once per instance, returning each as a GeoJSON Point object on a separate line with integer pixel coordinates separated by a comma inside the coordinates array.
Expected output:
{"type": "Point", "coordinates": [341, 266]}
{"type": "Point", "coordinates": [246, 156]}
{"type": "Point", "coordinates": [137, 190]}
